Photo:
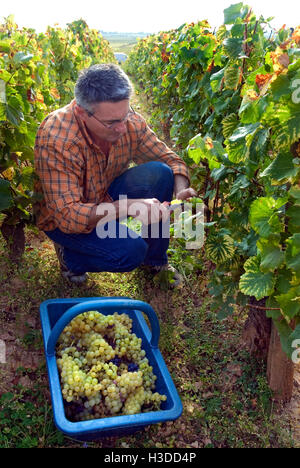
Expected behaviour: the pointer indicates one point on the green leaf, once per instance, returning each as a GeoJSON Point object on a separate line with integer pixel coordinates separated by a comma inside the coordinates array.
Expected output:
{"type": "Point", "coordinates": [232, 77]}
{"type": "Point", "coordinates": [281, 168]}
{"type": "Point", "coordinates": [233, 47]}
{"type": "Point", "coordinates": [216, 80]}
{"type": "Point", "coordinates": [5, 195]}
{"type": "Point", "coordinates": [295, 193]}
{"type": "Point", "coordinates": [3, 116]}
{"type": "Point", "coordinates": [242, 132]}
{"type": "Point", "coordinates": [4, 46]}
{"type": "Point", "coordinates": [273, 304]}
{"type": "Point", "coordinates": [27, 177]}
{"type": "Point", "coordinates": [241, 182]}
{"type": "Point", "coordinates": [264, 218]}
{"type": "Point", "coordinates": [272, 256]}
{"type": "Point", "coordinates": [205, 148]}
{"type": "Point", "coordinates": [234, 12]}
{"type": "Point", "coordinates": [22, 57]}
{"type": "Point", "coordinates": [294, 214]}
{"type": "Point", "coordinates": [5, 75]}
{"type": "Point", "coordinates": [252, 111]}
{"type": "Point", "coordinates": [287, 127]}
{"type": "Point", "coordinates": [229, 123]}
{"type": "Point", "coordinates": [14, 110]}
{"type": "Point", "coordinates": [254, 282]}
{"type": "Point", "coordinates": [237, 145]}
{"type": "Point", "coordinates": [285, 332]}
{"type": "Point", "coordinates": [226, 309]}
{"type": "Point", "coordinates": [220, 248]}
{"type": "Point", "coordinates": [237, 151]}
{"type": "Point", "coordinates": [219, 174]}
{"type": "Point", "coordinates": [290, 302]}
{"type": "Point", "coordinates": [294, 66]}
{"type": "Point", "coordinates": [281, 87]}
{"type": "Point", "coordinates": [293, 254]}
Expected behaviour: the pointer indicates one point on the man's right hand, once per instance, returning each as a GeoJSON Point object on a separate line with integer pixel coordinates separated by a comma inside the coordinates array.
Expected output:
{"type": "Point", "coordinates": [148, 210]}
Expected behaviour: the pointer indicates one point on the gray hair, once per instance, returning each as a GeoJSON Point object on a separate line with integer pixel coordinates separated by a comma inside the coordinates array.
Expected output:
{"type": "Point", "coordinates": [102, 83]}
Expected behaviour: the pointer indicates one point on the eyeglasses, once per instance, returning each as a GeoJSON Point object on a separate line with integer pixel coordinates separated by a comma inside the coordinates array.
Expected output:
{"type": "Point", "coordinates": [116, 122]}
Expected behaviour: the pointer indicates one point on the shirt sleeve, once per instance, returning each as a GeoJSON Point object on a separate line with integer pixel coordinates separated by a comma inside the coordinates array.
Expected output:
{"type": "Point", "coordinates": [60, 172]}
{"type": "Point", "coordinates": [150, 148]}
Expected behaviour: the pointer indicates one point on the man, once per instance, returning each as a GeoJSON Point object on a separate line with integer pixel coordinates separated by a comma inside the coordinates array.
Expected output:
{"type": "Point", "coordinates": [82, 157]}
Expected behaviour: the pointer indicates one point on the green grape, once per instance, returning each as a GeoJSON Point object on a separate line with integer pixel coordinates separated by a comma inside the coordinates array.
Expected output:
{"type": "Point", "coordinates": [92, 384]}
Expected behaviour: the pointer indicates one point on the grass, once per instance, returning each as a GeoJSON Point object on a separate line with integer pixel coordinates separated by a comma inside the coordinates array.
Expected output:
{"type": "Point", "coordinates": [226, 400]}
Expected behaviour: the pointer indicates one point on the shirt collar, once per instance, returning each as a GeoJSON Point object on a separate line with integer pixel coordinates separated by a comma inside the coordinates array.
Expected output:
{"type": "Point", "coordinates": [82, 125]}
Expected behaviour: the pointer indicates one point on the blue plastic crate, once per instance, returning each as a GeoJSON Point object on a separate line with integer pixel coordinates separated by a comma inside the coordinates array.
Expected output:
{"type": "Point", "coordinates": [56, 314]}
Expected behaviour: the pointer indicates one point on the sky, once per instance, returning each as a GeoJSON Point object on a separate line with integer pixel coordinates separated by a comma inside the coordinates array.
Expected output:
{"type": "Point", "coordinates": [138, 15]}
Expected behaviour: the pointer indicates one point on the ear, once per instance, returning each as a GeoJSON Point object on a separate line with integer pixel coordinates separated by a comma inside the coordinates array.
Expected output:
{"type": "Point", "coordinates": [83, 114]}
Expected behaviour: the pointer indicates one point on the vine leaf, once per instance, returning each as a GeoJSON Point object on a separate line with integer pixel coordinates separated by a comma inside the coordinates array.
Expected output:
{"type": "Point", "coordinates": [287, 127]}
{"type": "Point", "coordinates": [229, 124]}
{"type": "Point", "coordinates": [238, 143]}
{"type": "Point", "coordinates": [233, 47]}
{"type": "Point", "coordinates": [254, 282]}
{"type": "Point", "coordinates": [219, 249]}
{"type": "Point", "coordinates": [290, 302]}
{"type": "Point", "coordinates": [272, 257]}
{"type": "Point", "coordinates": [206, 148]}
{"type": "Point", "coordinates": [264, 217]}
{"type": "Point", "coordinates": [281, 168]}
{"type": "Point", "coordinates": [293, 254]}
{"type": "Point", "coordinates": [232, 77]}
{"type": "Point", "coordinates": [239, 10]}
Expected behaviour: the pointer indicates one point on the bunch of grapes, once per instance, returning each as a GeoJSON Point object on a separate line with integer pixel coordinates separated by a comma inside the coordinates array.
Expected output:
{"type": "Point", "coordinates": [103, 369]}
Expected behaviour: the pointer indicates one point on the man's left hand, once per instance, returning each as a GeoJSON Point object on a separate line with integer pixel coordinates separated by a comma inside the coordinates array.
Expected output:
{"type": "Point", "coordinates": [185, 194]}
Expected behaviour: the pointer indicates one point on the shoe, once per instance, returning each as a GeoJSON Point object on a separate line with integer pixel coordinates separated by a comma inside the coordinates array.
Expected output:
{"type": "Point", "coordinates": [65, 272]}
{"type": "Point", "coordinates": [165, 273]}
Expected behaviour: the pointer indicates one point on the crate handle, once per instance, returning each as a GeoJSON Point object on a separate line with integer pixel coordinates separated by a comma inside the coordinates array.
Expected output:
{"type": "Point", "coordinates": [105, 305]}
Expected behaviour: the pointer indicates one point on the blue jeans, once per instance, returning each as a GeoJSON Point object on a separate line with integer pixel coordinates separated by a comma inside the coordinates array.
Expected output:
{"type": "Point", "coordinates": [89, 253]}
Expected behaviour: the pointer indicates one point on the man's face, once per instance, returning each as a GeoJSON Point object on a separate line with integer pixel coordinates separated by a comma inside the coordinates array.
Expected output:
{"type": "Point", "coordinates": [108, 121]}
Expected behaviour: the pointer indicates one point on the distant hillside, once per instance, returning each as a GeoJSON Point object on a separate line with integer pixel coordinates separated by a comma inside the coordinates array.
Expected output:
{"type": "Point", "coordinates": [123, 42]}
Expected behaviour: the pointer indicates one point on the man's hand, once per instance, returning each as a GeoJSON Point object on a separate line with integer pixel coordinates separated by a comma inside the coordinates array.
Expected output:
{"type": "Point", "coordinates": [182, 191]}
{"type": "Point", "coordinates": [148, 211]}
{"type": "Point", "coordinates": [185, 194]}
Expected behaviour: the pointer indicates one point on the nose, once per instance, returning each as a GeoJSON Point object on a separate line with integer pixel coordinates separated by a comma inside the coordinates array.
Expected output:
{"type": "Point", "coordinates": [121, 127]}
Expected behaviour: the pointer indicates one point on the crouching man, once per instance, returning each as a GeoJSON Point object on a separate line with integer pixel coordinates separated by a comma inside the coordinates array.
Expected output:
{"type": "Point", "coordinates": [83, 157]}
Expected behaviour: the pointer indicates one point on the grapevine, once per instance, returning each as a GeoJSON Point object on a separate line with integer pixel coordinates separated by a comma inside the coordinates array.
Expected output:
{"type": "Point", "coordinates": [37, 75]}
{"type": "Point", "coordinates": [232, 101]}
{"type": "Point", "coordinates": [103, 369]}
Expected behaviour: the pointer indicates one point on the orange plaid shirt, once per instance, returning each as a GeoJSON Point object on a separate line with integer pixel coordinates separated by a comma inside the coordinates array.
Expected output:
{"type": "Point", "coordinates": [74, 173]}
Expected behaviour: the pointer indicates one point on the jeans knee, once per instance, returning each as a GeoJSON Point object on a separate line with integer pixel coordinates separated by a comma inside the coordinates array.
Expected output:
{"type": "Point", "coordinates": [162, 180]}
{"type": "Point", "coordinates": [163, 171]}
{"type": "Point", "coordinates": [136, 253]}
